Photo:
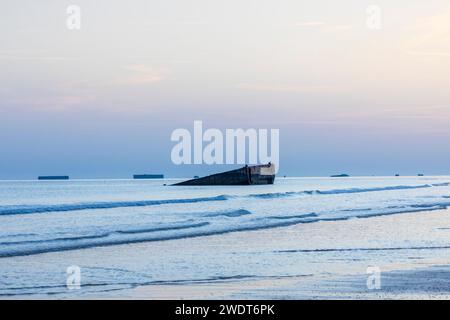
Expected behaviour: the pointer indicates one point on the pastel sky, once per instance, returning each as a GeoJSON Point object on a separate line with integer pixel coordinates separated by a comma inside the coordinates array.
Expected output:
{"type": "Point", "coordinates": [102, 101]}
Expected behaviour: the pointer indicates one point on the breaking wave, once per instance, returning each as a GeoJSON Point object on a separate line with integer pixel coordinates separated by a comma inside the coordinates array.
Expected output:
{"type": "Point", "coordinates": [343, 191]}
{"type": "Point", "coordinates": [13, 210]}
{"type": "Point", "coordinates": [33, 209]}
{"type": "Point", "coordinates": [18, 248]}
{"type": "Point", "coordinates": [186, 229]}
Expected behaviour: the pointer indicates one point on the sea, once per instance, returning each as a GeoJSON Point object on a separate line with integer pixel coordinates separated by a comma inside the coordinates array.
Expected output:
{"type": "Point", "coordinates": [123, 234]}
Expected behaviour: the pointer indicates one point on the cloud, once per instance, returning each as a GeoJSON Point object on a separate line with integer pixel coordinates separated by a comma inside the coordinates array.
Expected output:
{"type": "Point", "coordinates": [50, 103]}
{"type": "Point", "coordinates": [141, 75]}
{"type": "Point", "coordinates": [170, 23]}
{"type": "Point", "coordinates": [18, 55]}
{"type": "Point", "coordinates": [323, 26]}
{"type": "Point", "coordinates": [428, 53]}
{"type": "Point", "coordinates": [431, 35]}
{"type": "Point", "coordinates": [344, 27]}
{"type": "Point", "coordinates": [310, 24]}
{"type": "Point", "coordinates": [288, 88]}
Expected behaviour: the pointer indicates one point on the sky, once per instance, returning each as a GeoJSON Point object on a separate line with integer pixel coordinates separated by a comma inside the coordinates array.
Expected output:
{"type": "Point", "coordinates": [102, 101]}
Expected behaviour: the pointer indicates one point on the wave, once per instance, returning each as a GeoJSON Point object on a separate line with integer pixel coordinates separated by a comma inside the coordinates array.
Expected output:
{"type": "Point", "coordinates": [375, 189]}
{"type": "Point", "coordinates": [33, 209]}
{"type": "Point", "coordinates": [200, 229]}
{"type": "Point", "coordinates": [137, 236]}
{"type": "Point", "coordinates": [107, 234]}
{"type": "Point", "coordinates": [276, 194]}
{"type": "Point", "coordinates": [15, 210]}
{"type": "Point", "coordinates": [301, 216]}
{"type": "Point", "coordinates": [362, 249]}
{"type": "Point", "coordinates": [94, 241]}
{"type": "Point", "coordinates": [229, 214]}
{"type": "Point", "coordinates": [342, 191]}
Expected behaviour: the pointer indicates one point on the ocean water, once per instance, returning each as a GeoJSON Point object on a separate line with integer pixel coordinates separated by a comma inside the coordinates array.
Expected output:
{"type": "Point", "coordinates": [46, 226]}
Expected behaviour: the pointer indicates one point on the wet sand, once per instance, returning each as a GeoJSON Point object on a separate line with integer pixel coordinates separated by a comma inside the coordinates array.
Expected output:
{"type": "Point", "coordinates": [415, 264]}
